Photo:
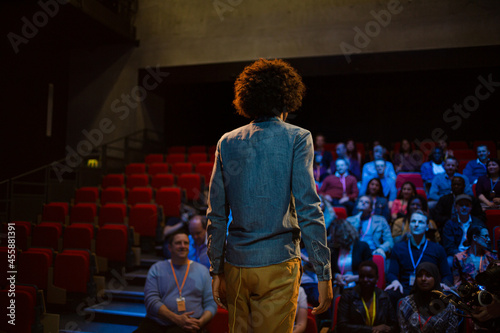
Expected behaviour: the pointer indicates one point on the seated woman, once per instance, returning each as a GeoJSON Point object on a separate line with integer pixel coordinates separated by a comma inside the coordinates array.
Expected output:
{"type": "Point", "coordinates": [407, 159]}
{"type": "Point", "coordinates": [488, 187]}
{"type": "Point", "coordinates": [379, 202]}
{"type": "Point", "coordinates": [415, 313]}
{"type": "Point", "coordinates": [300, 323]}
{"type": "Point", "coordinates": [474, 260]}
{"type": "Point", "coordinates": [398, 209]}
{"type": "Point", "coordinates": [401, 226]}
{"type": "Point", "coordinates": [366, 308]}
{"type": "Point", "coordinates": [347, 252]}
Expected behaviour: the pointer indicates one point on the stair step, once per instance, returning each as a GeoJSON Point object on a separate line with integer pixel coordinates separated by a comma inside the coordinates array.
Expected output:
{"type": "Point", "coordinates": [119, 312]}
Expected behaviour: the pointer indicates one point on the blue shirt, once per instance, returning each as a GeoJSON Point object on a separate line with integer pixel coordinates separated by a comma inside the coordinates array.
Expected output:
{"type": "Point", "coordinates": [198, 253]}
{"type": "Point", "coordinates": [441, 185]}
{"type": "Point", "coordinates": [369, 172]}
{"type": "Point", "coordinates": [263, 172]}
{"type": "Point", "coordinates": [161, 289]}
{"type": "Point", "coordinates": [474, 169]}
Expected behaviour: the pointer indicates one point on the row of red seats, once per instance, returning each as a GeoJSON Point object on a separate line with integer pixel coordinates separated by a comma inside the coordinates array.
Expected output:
{"type": "Point", "coordinates": [28, 309]}
{"type": "Point", "coordinates": [194, 158]}
{"type": "Point", "coordinates": [190, 150]}
{"type": "Point", "coordinates": [177, 168]}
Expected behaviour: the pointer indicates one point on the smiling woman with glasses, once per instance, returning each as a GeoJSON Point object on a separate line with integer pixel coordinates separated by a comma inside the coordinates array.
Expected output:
{"type": "Point", "coordinates": [474, 260]}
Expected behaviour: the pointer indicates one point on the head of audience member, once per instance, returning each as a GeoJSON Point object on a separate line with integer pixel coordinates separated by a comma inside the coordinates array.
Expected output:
{"type": "Point", "coordinates": [178, 245]}
{"type": "Point", "coordinates": [492, 168]}
{"type": "Point", "coordinates": [268, 88]}
{"type": "Point", "coordinates": [443, 145]}
{"type": "Point", "coordinates": [405, 147]}
{"type": "Point", "coordinates": [198, 229]}
{"type": "Point", "coordinates": [418, 225]}
{"type": "Point", "coordinates": [378, 152]}
{"type": "Point", "coordinates": [374, 188]}
{"type": "Point", "coordinates": [319, 142]}
{"type": "Point", "coordinates": [450, 166]}
{"type": "Point", "coordinates": [482, 153]}
{"type": "Point", "coordinates": [478, 237]}
{"type": "Point", "coordinates": [380, 167]}
{"type": "Point", "coordinates": [437, 155]}
{"type": "Point", "coordinates": [418, 202]}
{"type": "Point", "coordinates": [351, 148]}
{"type": "Point", "coordinates": [341, 166]}
{"type": "Point", "coordinates": [427, 279]}
{"type": "Point", "coordinates": [463, 205]}
{"type": "Point", "coordinates": [365, 205]}
{"type": "Point", "coordinates": [343, 234]}
{"type": "Point", "coordinates": [341, 150]}
{"type": "Point", "coordinates": [457, 185]}
{"type": "Point", "coordinates": [408, 191]}
{"type": "Point", "coordinates": [368, 276]}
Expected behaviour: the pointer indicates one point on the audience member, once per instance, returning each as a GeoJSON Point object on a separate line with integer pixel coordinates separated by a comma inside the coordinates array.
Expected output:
{"type": "Point", "coordinates": [198, 240]}
{"type": "Point", "coordinates": [354, 167]}
{"type": "Point", "coordinates": [433, 167]}
{"type": "Point", "coordinates": [366, 308]}
{"type": "Point", "coordinates": [380, 205]}
{"type": "Point", "coordinates": [467, 264]}
{"type": "Point", "coordinates": [445, 207]}
{"type": "Point", "coordinates": [369, 170]}
{"type": "Point", "coordinates": [401, 226]}
{"type": "Point", "coordinates": [477, 168]}
{"type": "Point", "coordinates": [321, 156]}
{"type": "Point", "coordinates": [444, 146]}
{"type": "Point", "coordinates": [340, 188]}
{"type": "Point", "coordinates": [406, 256]}
{"type": "Point", "coordinates": [172, 305]}
{"type": "Point", "coordinates": [347, 252]}
{"type": "Point", "coordinates": [488, 187]}
{"type": "Point", "coordinates": [300, 323]}
{"type": "Point", "coordinates": [352, 152]}
{"type": "Point", "coordinates": [407, 159]}
{"type": "Point", "coordinates": [373, 229]}
{"type": "Point", "coordinates": [416, 312]}
{"type": "Point", "coordinates": [441, 184]}
{"type": "Point", "coordinates": [408, 191]}
{"type": "Point", "coordinates": [455, 230]}
{"type": "Point", "coordinates": [388, 182]}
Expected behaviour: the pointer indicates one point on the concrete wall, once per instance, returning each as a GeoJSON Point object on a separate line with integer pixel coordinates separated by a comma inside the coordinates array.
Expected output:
{"type": "Point", "coordinates": [185, 32]}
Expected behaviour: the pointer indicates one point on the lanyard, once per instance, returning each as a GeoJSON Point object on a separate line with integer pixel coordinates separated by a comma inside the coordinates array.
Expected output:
{"type": "Point", "coordinates": [493, 185]}
{"type": "Point", "coordinates": [367, 228]}
{"type": "Point", "coordinates": [371, 319]}
{"type": "Point", "coordinates": [421, 255]}
{"type": "Point", "coordinates": [342, 181]}
{"type": "Point", "coordinates": [345, 260]}
{"type": "Point", "coordinates": [420, 323]}
{"type": "Point", "coordinates": [185, 276]}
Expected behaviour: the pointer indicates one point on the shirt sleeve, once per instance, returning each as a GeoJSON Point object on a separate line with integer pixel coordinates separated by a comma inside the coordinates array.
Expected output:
{"type": "Point", "coordinates": [152, 295]}
{"type": "Point", "coordinates": [307, 206]}
{"type": "Point", "coordinates": [218, 216]}
{"type": "Point", "coordinates": [208, 299]}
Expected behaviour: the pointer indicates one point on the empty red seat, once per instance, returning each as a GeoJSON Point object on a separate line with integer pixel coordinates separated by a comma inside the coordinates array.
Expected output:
{"type": "Point", "coordinates": [175, 158]}
{"type": "Point", "coordinates": [181, 168]}
{"type": "Point", "coordinates": [197, 149]}
{"type": "Point", "coordinates": [464, 154]}
{"type": "Point", "coordinates": [413, 177]}
{"type": "Point", "coordinates": [194, 185]}
{"type": "Point", "coordinates": [212, 149]}
{"type": "Point", "coordinates": [117, 179]}
{"type": "Point", "coordinates": [25, 313]}
{"type": "Point", "coordinates": [205, 169]}
{"type": "Point", "coordinates": [170, 198]}
{"type": "Point", "coordinates": [380, 262]}
{"type": "Point", "coordinates": [87, 194]}
{"type": "Point", "coordinates": [113, 213]}
{"type": "Point", "coordinates": [8, 257]}
{"type": "Point", "coordinates": [112, 242]}
{"type": "Point", "coordinates": [156, 168]}
{"type": "Point", "coordinates": [144, 219]}
{"type": "Point", "coordinates": [219, 323]}
{"type": "Point", "coordinates": [453, 145]}
{"type": "Point", "coordinates": [33, 267]}
{"type": "Point", "coordinates": [78, 236]}
{"type": "Point", "coordinates": [177, 150]}
{"type": "Point", "coordinates": [143, 195]}
{"type": "Point", "coordinates": [212, 158]}
{"type": "Point", "coordinates": [83, 213]}
{"type": "Point", "coordinates": [72, 271]}
{"type": "Point", "coordinates": [163, 180]}
{"type": "Point", "coordinates": [113, 195]}
{"type": "Point", "coordinates": [138, 180]}
{"type": "Point", "coordinates": [341, 212]}
{"type": "Point", "coordinates": [22, 231]}
{"type": "Point", "coordinates": [135, 168]}
{"type": "Point", "coordinates": [55, 212]}
{"type": "Point", "coordinates": [311, 326]}
{"type": "Point", "coordinates": [154, 158]}
{"type": "Point", "coordinates": [197, 157]}
{"type": "Point", "coordinates": [421, 192]}
{"type": "Point", "coordinates": [47, 234]}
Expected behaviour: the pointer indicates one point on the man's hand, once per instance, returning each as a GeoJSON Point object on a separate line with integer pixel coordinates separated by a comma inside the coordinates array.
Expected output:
{"type": "Point", "coordinates": [381, 328]}
{"type": "Point", "coordinates": [350, 278]}
{"type": "Point", "coordinates": [219, 290]}
{"type": "Point", "coordinates": [379, 251]}
{"type": "Point", "coordinates": [343, 199]}
{"type": "Point", "coordinates": [339, 279]}
{"type": "Point", "coordinates": [325, 297]}
{"type": "Point", "coordinates": [395, 285]}
{"type": "Point", "coordinates": [187, 323]}
{"type": "Point", "coordinates": [488, 312]}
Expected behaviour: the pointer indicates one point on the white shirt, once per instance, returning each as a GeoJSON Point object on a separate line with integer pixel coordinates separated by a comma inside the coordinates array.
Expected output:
{"type": "Point", "coordinates": [437, 168]}
{"type": "Point", "coordinates": [465, 226]}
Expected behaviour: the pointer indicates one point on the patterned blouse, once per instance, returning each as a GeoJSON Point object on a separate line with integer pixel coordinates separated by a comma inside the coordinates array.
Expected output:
{"type": "Point", "coordinates": [464, 269]}
{"type": "Point", "coordinates": [411, 320]}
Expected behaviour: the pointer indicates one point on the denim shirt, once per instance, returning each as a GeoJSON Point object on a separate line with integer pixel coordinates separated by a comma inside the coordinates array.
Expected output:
{"type": "Point", "coordinates": [263, 172]}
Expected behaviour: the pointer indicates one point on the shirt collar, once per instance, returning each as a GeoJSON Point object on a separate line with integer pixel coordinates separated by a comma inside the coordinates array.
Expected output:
{"type": "Point", "coordinates": [414, 243]}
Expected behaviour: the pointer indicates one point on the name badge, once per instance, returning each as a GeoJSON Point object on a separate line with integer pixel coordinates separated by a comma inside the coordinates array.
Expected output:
{"type": "Point", "coordinates": [181, 304]}
{"type": "Point", "coordinates": [412, 280]}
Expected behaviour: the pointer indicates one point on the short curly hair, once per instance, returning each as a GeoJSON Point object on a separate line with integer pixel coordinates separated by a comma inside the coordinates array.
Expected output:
{"type": "Point", "coordinates": [268, 88]}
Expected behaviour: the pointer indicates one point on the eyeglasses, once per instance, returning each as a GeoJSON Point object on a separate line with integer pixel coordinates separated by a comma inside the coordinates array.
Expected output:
{"type": "Point", "coordinates": [485, 237]}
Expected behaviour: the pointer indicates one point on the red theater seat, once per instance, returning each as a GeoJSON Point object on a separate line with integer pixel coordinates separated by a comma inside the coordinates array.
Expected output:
{"type": "Point", "coordinates": [197, 149]}
{"type": "Point", "coordinates": [87, 194]}
{"type": "Point", "coordinates": [137, 180]}
{"type": "Point", "coordinates": [55, 212]}
{"type": "Point", "coordinates": [25, 313]}
{"type": "Point", "coordinates": [205, 169]}
{"type": "Point", "coordinates": [177, 150]}
{"type": "Point", "coordinates": [175, 158]}
{"type": "Point", "coordinates": [135, 168]}
{"type": "Point", "coordinates": [140, 195]}
{"type": "Point", "coordinates": [219, 323]}
{"type": "Point", "coordinates": [112, 242]}
{"type": "Point", "coordinates": [78, 236]}
{"type": "Point", "coordinates": [154, 158]}
{"type": "Point", "coordinates": [47, 234]}
{"type": "Point", "coordinates": [72, 271]}
{"type": "Point", "coordinates": [33, 267]}
{"type": "Point", "coordinates": [379, 261]}
{"type": "Point", "coordinates": [112, 195]}
{"type": "Point", "coordinates": [163, 180]}
{"type": "Point", "coordinates": [181, 168]}
{"type": "Point", "coordinates": [341, 212]}
{"type": "Point", "coordinates": [113, 180]}
{"type": "Point", "coordinates": [83, 213]}
{"type": "Point", "coordinates": [170, 198]}
{"type": "Point", "coordinates": [156, 168]}
{"type": "Point", "coordinates": [22, 231]}
{"type": "Point", "coordinates": [413, 177]}
{"type": "Point", "coordinates": [193, 184]}
{"type": "Point", "coordinates": [197, 158]}
{"type": "Point", "coordinates": [113, 213]}
{"type": "Point", "coordinates": [144, 219]}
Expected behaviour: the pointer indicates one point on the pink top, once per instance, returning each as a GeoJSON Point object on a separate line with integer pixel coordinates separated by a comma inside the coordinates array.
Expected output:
{"type": "Point", "coordinates": [398, 207]}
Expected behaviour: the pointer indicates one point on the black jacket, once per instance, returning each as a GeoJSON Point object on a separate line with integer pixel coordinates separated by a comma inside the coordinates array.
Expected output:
{"type": "Point", "coordinates": [351, 315]}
